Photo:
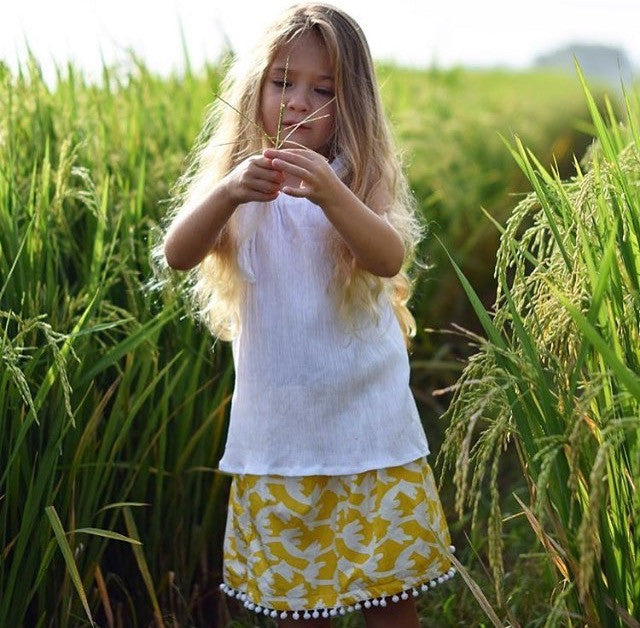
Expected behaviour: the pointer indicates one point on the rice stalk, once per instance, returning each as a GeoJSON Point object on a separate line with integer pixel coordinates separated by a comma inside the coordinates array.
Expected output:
{"type": "Point", "coordinates": [558, 377]}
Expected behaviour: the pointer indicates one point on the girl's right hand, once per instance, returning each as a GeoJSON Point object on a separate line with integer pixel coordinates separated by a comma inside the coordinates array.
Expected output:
{"type": "Point", "coordinates": [254, 179]}
{"type": "Point", "coordinates": [194, 232]}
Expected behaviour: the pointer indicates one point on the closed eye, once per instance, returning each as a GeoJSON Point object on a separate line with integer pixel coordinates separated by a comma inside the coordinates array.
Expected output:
{"type": "Point", "coordinates": [281, 83]}
{"type": "Point", "coordinates": [324, 92]}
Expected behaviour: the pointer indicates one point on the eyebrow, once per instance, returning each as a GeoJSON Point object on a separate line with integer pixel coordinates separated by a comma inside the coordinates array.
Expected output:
{"type": "Point", "coordinates": [282, 70]}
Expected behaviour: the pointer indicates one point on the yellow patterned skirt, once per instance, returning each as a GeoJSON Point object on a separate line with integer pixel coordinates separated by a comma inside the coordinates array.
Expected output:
{"type": "Point", "coordinates": [319, 546]}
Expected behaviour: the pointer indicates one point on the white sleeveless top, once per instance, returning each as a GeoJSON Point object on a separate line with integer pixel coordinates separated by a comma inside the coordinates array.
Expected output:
{"type": "Point", "coordinates": [311, 396]}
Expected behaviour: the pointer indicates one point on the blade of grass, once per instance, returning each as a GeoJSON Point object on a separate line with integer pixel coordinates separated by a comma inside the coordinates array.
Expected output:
{"type": "Point", "coordinates": [67, 553]}
{"type": "Point", "coordinates": [142, 565]}
{"type": "Point", "coordinates": [107, 534]}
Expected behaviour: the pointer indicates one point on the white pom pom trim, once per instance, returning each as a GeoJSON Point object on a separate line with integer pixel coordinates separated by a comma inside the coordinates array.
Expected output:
{"type": "Point", "coordinates": [314, 613]}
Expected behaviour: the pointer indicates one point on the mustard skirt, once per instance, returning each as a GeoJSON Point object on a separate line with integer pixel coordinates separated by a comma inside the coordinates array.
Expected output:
{"type": "Point", "coordinates": [319, 546]}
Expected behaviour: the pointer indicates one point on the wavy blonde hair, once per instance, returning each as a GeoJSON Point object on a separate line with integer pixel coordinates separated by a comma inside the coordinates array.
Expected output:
{"type": "Point", "coordinates": [362, 138]}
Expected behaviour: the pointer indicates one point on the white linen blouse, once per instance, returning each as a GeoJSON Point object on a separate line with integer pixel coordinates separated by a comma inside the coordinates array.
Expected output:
{"type": "Point", "coordinates": [312, 395]}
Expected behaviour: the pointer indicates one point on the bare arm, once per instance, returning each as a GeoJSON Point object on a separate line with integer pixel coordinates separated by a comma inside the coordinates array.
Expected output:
{"type": "Point", "coordinates": [374, 243]}
{"type": "Point", "coordinates": [194, 232]}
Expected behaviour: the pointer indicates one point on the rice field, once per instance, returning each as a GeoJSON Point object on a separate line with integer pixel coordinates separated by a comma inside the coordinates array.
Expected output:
{"type": "Point", "coordinates": [114, 401]}
{"type": "Point", "coordinates": [558, 378]}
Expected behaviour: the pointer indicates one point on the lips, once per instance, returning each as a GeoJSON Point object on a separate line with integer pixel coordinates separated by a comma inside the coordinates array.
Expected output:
{"type": "Point", "coordinates": [289, 125]}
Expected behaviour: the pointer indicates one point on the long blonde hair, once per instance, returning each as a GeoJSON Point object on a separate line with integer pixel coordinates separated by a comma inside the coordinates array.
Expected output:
{"type": "Point", "coordinates": [362, 138]}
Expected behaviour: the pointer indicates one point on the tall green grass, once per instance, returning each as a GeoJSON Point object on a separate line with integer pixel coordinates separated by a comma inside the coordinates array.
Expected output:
{"type": "Point", "coordinates": [558, 378]}
{"type": "Point", "coordinates": [113, 405]}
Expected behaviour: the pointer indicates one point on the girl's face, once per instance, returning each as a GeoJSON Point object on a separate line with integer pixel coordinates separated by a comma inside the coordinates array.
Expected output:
{"type": "Point", "coordinates": [307, 95]}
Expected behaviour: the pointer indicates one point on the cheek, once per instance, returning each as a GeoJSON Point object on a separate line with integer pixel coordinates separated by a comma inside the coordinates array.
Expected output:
{"type": "Point", "coordinates": [330, 120]}
{"type": "Point", "coordinates": [267, 112]}
{"type": "Point", "coordinates": [264, 102]}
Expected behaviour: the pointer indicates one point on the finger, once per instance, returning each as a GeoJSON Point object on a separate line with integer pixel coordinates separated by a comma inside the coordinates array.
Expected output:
{"type": "Point", "coordinates": [268, 173]}
{"type": "Point", "coordinates": [261, 180]}
{"type": "Point", "coordinates": [272, 176]}
{"type": "Point", "coordinates": [264, 187]}
{"type": "Point", "coordinates": [290, 150]}
{"type": "Point", "coordinates": [293, 169]}
{"type": "Point", "coordinates": [262, 198]}
{"type": "Point", "coordinates": [298, 192]}
{"type": "Point", "coordinates": [299, 156]}
{"type": "Point", "coordinates": [264, 163]}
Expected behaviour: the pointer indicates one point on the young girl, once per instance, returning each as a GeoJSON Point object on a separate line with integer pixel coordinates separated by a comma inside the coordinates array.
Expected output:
{"type": "Point", "coordinates": [297, 220]}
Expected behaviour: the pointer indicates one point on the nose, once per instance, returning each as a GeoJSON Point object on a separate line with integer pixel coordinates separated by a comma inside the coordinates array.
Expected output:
{"type": "Point", "coordinates": [297, 100]}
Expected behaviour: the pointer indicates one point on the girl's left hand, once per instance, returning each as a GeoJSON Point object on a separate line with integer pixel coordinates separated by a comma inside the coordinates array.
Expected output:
{"type": "Point", "coordinates": [374, 242]}
{"type": "Point", "coordinates": [317, 177]}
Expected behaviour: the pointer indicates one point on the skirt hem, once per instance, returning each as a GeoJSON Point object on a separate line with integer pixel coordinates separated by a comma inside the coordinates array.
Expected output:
{"type": "Point", "coordinates": [315, 613]}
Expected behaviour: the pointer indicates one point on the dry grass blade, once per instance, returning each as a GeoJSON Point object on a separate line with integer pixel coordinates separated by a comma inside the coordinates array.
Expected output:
{"type": "Point", "coordinates": [142, 565]}
{"type": "Point", "coordinates": [553, 549]}
{"type": "Point", "coordinates": [246, 118]}
{"type": "Point", "coordinates": [104, 596]}
{"type": "Point", "coordinates": [476, 591]}
{"type": "Point", "coordinates": [282, 105]}
{"type": "Point", "coordinates": [312, 117]}
{"type": "Point", "coordinates": [624, 615]}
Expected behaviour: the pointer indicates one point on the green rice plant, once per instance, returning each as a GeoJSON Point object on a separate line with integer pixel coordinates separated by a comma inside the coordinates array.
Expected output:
{"type": "Point", "coordinates": [558, 378]}
{"type": "Point", "coordinates": [112, 403]}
